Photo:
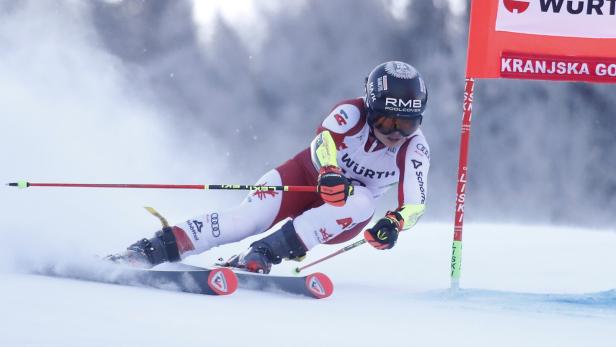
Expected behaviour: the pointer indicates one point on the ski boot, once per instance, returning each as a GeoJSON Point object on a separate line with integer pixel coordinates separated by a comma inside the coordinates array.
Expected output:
{"type": "Point", "coordinates": [147, 253]}
{"type": "Point", "coordinates": [282, 244]}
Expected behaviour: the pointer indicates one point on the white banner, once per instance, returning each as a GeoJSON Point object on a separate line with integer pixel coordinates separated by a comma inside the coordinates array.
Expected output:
{"type": "Point", "coordinates": [571, 18]}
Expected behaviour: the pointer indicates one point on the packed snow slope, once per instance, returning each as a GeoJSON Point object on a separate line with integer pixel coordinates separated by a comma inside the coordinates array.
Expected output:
{"type": "Point", "coordinates": [521, 286]}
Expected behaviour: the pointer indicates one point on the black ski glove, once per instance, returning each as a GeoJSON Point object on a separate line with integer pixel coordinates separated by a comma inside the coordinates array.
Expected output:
{"type": "Point", "coordinates": [384, 234]}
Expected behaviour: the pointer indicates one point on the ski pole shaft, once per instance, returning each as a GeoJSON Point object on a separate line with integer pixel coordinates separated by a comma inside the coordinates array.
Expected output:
{"type": "Point", "coordinates": [24, 184]}
{"type": "Point", "coordinates": [340, 251]}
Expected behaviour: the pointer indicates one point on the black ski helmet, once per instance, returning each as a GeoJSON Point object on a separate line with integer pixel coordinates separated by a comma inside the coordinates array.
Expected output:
{"type": "Point", "coordinates": [395, 89]}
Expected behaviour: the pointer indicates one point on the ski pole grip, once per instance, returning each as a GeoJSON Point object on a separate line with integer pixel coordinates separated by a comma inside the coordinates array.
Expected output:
{"type": "Point", "coordinates": [19, 184]}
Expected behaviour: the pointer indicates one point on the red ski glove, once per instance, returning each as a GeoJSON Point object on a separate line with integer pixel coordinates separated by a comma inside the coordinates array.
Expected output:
{"type": "Point", "coordinates": [384, 234]}
{"type": "Point", "coordinates": [333, 186]}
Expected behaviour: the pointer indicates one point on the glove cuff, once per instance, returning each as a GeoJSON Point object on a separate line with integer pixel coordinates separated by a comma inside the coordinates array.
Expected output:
{"type": "Point", "coordinates": [330, 169]}
{"type": "Point", "coordinates": [396, 218]}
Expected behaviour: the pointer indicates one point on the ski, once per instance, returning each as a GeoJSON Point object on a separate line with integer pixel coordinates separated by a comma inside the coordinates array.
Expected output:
{"type": "Point", "coordinates": [316, 285]}
{"type": "Point", "coordinates": [193, 279]}
{"type": "Point", "coordinates": [216, 281]}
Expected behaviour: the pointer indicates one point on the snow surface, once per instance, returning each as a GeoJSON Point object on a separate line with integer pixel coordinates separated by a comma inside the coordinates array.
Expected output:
{"type": "Point", "coordinates": [521, 286]}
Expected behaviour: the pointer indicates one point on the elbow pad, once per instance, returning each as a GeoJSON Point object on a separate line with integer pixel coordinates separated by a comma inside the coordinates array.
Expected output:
{"type": "Point", "coordinates": [323, 150]}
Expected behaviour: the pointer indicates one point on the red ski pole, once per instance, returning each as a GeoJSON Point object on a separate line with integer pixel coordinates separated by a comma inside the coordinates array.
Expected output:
{"type": "Point", "coordinates": [310, 189]}
{"type": "Point", "coordinates": [340, 251]}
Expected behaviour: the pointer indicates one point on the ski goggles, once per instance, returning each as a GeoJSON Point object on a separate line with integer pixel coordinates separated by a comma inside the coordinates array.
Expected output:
{"type": "Point", "coordinates": [389, 125]}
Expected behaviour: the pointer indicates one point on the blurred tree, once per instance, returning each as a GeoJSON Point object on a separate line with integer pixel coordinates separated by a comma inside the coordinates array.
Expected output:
{"type": "Point", "coordinates": [540, 151]}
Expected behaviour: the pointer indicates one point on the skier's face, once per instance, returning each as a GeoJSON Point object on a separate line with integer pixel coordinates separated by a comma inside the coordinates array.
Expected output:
{"type": "Point", "coordinates": [389, 125]}
{"type": "Point", "coordinates": [390, 140]}
{"type": "Point", "coordinates": [390, 131]}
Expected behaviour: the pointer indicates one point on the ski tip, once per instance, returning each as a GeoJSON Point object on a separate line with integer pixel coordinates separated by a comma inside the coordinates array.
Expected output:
{"type": "Point", "coordinates": [222, 281]}
{"type": "Point", "coordinates": [319, 285]}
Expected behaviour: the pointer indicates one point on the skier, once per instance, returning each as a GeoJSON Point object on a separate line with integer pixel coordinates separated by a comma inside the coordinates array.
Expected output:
{"type": "Point", "coordinates": [362, 148]}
